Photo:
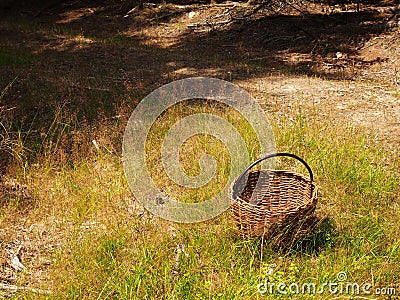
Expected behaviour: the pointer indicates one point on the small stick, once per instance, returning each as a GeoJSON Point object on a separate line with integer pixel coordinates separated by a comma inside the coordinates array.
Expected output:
{"type": "Point", "coordinates": [15, 288]}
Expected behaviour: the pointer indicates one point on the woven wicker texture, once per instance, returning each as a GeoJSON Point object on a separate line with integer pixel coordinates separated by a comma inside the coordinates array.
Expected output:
{"type": "Point", "coordinates": [272, 199]}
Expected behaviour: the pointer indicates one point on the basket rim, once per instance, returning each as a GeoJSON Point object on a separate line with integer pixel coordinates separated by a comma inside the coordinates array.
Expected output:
{"type": "Point", "coordinates": [278, 171]}
{"type": "Point", "coordinates": [311, 200]}
{"type": "Point", "coordinates": [306, 179]}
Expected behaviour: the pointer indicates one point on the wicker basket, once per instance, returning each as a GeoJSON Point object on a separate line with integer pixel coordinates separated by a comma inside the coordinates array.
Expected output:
{"type": "Point", "coordinates": [266, 201]}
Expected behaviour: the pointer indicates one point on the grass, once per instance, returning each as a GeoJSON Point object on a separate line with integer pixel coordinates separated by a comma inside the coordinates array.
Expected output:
{"type": "Point", "coordinates": [11, 57]}
{"type": "Point", "coordinates": [100, 244]}
{"type": "Point", "coordinates": [109, 248]}
{"type": "Point", "coordinates": [10, 142]}
{"type": "Point", "coordinates": [85, 238]}
{"type": "Point", "coordinates": [194, 148]}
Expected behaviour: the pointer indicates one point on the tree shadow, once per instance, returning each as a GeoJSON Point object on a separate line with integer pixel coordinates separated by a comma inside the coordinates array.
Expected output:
{"type": "Point", "coordinates": [319, 233]}
{"type": "Point", "coordinates": [309, 236]}
{"type": "Point", "coordinates": [86, 59]}
{"type": "Point", "coordinates": [308, 44]}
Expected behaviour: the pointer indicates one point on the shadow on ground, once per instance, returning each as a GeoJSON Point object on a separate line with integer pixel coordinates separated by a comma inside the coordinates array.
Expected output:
{"type": "Point", "coordinates": [84, 64]}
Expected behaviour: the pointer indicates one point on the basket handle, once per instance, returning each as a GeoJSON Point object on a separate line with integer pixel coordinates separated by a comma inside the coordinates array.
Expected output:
{"type": "Point", "coordinates": [235, 188]}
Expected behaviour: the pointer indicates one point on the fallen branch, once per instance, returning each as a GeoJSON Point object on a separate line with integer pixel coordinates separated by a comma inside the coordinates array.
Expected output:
{"type": "Point", "coordinates": [258, 8]}
{"type": "Point", "coordinates": [209, 24]}
{"type": "Point", "coordinates": [131, 12]}
{"type": "Point", "coordinates": [97, 89]}
{"type": "Point", "coordinates": [247, 16]}
{"type": "Point", "coordinates": [168, 15]}
{"type": "Point", "coordinates": [15, 288]}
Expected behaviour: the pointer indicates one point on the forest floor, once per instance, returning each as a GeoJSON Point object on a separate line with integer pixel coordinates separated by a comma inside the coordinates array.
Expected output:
{"type": "Point", "coordinates": [335, 57]}
{"type": "Point", "coordinates": [73, 72]}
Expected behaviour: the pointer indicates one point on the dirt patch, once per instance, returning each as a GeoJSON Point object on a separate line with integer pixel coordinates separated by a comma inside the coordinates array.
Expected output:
{"type": "Point", "coordinates": [374, 107]}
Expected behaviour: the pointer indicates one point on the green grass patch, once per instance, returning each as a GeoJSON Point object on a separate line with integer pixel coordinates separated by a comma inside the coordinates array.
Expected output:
{"type": "Point", "coordinates": [12, 57]}
{"type": "Point", "coordinates": [124, 254]}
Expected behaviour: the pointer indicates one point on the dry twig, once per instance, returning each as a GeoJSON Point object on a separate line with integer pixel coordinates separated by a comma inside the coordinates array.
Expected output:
{"type": "Point", "coordinates": [15, 288]}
